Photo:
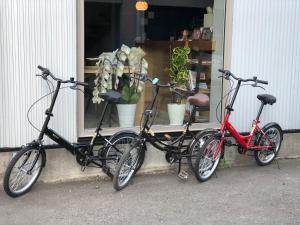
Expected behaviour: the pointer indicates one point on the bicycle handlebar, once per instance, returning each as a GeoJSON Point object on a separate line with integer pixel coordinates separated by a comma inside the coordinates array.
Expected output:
{"type": "Point", "coordinates": [46, 72]}
{"type": "Point", "coordinates": [155, 82]}
{"type": "Point", "coordinates": [228, 74]}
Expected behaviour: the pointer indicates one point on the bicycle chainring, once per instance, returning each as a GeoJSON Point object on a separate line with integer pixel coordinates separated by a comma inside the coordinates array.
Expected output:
{"type": "Point", "coordinates": [170, 157]}
{"type": "Point", "coordinates": [81, 159]}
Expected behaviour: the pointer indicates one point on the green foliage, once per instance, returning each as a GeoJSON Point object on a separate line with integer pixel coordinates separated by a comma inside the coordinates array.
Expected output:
{"type": "Point", "coordinates": [178, 66]}
{"type": "Point", "coordinates": [130, 94]}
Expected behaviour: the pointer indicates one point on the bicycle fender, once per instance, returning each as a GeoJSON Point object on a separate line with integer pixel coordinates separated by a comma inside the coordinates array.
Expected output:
{"type": "Point", "coordinates": [272, 124]}
{"type": "Point", "coordinates": [43, 153]}
{"type": "Point", "coordinates": [267, 126]}
{"type": "Point", "coordinates": [122, 131]}
{"type": "Point", "coordinates": [196, 137]}
{"type": "Point", "coordinates": [41, 149]}
{"type": "Point", "coordinates": [125, 131]}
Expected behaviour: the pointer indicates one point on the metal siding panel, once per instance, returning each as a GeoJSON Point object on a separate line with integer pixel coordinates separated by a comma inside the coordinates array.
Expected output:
{"type": "Point", "coordinates": [35, 32]}
{"type": "Point", "coordinates": [266, 44]}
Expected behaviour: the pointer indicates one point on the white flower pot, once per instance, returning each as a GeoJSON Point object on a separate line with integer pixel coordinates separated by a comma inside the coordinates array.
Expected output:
{"type": "Point", "coordinates": [126, 114]}
{"type": "Point", "coordinates": [176, 113]}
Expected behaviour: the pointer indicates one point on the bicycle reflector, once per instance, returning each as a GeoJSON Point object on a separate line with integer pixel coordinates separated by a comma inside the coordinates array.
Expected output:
{"type": "Point", "coordinates": [155, 81]}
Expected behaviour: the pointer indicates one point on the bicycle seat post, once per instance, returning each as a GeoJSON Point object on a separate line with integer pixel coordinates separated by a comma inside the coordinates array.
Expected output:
{"type": "Point", "coordinates": [260, 111]}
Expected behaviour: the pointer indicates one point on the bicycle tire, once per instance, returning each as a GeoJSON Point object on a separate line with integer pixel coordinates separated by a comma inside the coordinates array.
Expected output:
{"type": "Point", "coordinates": [202, 155]}
{"type": "Point", "coordinates": [266, 131]}
{"type": "Point", "coordinates": [7, 177]}
{"type": "Point", "coordinates": [194, 147]}
{"type": "Point", "coordinates": [126, 157]}
{"type": "Point", "coordinates": [108, 151]}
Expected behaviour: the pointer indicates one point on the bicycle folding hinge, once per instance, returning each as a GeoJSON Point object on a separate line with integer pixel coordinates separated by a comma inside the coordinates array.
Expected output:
{"type": "Point", "coordinates": [48, 112]}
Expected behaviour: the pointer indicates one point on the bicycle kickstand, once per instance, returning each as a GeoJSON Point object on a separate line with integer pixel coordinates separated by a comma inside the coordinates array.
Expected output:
{"type": "Point", "coordinates": [277, 163]}
{"type": "Point", "coordinates": [183, 175]}
{"type": "Point", "coordinates": [216, 175]}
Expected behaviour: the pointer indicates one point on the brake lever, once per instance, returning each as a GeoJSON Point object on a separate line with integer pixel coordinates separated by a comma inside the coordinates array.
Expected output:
{"type": "Point", "coordinates": [41, 75]}
{"type": "Point", "coordinates": [255, 85]}
{"type": "Point", "coordinates": [74, 87]}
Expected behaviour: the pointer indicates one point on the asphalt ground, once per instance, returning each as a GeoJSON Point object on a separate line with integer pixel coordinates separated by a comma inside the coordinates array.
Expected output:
{"type": "Point", "coordinates": [238, 195]}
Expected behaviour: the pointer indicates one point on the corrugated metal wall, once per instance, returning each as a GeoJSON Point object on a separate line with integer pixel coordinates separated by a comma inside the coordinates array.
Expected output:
{"type": "Point", "coordinates": [266, 43]}
{"type": "Point", "coordinates": [35, 32]}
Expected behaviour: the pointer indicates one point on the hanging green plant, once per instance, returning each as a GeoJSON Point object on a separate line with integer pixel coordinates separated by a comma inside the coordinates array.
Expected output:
{"type": "Point", "coordinates": [111, 67]}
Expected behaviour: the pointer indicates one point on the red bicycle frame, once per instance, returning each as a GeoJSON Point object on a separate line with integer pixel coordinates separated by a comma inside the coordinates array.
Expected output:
{"type": "Point", "coordinates": [246, 142]}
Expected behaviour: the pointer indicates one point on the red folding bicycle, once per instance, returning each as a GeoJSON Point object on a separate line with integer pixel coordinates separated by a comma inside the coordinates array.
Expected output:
{"type": "Point", "coordinates": [264, 142]}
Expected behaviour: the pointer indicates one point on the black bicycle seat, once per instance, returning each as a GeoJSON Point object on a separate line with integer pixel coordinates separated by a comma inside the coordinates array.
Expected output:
{"type": "Point", "coordinates": [267, 99]}
{"type": "Point", "coordinates": [111, 96]}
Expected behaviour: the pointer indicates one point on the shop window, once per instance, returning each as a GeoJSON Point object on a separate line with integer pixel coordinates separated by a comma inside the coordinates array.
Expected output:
{"type": "Point", "coordinates": [198, 25]}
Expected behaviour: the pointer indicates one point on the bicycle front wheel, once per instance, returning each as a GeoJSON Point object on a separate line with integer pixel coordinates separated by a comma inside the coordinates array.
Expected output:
{"type": "Point", "coordinates": [206, 163]}
{"type": "Point", "coordinates": [23, 171]}
{"type": "Point", "coordinates": [112, 153]}
{"type": "Point", "coordinates": [127, 167]}
{"type": "Point", "coordinates": [196, 145]}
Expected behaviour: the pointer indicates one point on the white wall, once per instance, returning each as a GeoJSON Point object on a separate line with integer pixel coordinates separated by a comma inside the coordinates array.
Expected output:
{"type": "Point", "coordinates": [266, 43]}
{"type": "Point", "coordinates": [35, 32]}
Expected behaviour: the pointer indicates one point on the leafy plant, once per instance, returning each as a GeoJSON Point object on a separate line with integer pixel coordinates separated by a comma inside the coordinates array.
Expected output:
{"type": "Point", "coordinates": [111, 66]}
{"type": "Point", "coordinates": [130, 94]}
{"type": "Point", "coordinates": [178, 66]}
{"type": "Point", "coordinates": [178, 70]}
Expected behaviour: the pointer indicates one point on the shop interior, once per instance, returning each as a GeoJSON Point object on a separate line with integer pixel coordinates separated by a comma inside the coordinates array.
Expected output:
{"type": "Point", "coordinates": [157, 30]}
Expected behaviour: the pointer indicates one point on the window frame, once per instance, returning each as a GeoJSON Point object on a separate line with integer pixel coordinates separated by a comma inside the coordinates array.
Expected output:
{"type": "Point", "coordinates": [82, 132]}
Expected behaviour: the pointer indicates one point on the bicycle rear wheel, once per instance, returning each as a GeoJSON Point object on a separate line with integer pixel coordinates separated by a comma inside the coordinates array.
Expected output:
{"type": "Point", "coordinates": [271, 134]}
{"type": "Point", "coordinates": [23, 171]}
{"type": "Point", "coordinates": [127, 167]}
{"type": "Point", "coordinates": [112, 153]}
{"type": "Point", "coordinates": [205, 165]}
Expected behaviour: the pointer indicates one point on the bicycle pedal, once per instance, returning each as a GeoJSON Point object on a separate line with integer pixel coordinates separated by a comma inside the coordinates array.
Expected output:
{"type": "Point", "coordinates": [183, 175]}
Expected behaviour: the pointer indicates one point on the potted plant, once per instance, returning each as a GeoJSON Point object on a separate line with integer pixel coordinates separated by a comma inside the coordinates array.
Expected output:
{"type": "Point", "coordinates": [130, 91]}
{"type": "Point", "coordinates": [110, 75]}
{"type": "Point", "coordinates": [179, 74]}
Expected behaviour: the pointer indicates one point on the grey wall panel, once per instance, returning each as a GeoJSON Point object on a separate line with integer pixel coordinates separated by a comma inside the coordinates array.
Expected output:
{"type": "Point", "coordinates": [35, 32]}
{"type": "Point", "coordinates": [266, 44]}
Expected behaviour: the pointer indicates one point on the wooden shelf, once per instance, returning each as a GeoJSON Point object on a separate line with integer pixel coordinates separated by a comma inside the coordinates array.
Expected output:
{"type": "Point", "coordinates": [198, 45]}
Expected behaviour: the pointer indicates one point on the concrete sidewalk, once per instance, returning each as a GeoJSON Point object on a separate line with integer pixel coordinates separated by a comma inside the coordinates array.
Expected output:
{"type": "Point", "coordinates": [239, 195]}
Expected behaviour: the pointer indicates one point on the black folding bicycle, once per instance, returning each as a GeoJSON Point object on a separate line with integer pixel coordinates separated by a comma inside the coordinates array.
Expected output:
{"type": "Point", "coordinates": [175, 148]}
{"type": "Point", "coordinates": [27, 164]}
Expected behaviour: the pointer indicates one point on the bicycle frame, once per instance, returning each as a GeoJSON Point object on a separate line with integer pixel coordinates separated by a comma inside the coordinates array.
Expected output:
{"type": "Point", "coordinates": [72, 147]}
{"type": "Point", "coordinates": [244, 141]}
{"type": "Point", "coordinates": [146, 134]}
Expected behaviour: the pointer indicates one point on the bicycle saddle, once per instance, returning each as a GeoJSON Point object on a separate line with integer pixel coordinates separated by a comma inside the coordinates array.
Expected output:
{"type": "Point", "coordinates": [111, 96]}
{"type": "Point", "coordinates": [267, 99]}
{"type": "Point", "coordinates": [198, 99]}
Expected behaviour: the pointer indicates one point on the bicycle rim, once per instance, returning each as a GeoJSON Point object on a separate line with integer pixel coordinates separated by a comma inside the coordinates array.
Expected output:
{"type": "Point", "coordinates": [113, 156]}
{"type": "Point", "coordinates": [22, 176]}
{"type": "Point", "coordinates": [207, 165]}
{"type": "Point", "coordinates": [267, 155]}
{"type": "Point", "coordinates": [128, 167]}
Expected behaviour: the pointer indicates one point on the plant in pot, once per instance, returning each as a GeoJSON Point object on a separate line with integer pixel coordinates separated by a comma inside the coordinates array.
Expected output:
{"type": "Point", "coordinates": [178, 72]}
{"type": "Point", "coordinates": [110, 75]}
{"type": "Point", "coordinates": [130, 91]}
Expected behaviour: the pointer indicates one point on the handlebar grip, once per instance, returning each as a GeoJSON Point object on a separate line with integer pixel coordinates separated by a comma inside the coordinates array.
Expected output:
{"type": "Point", "coordinates": [82, 83]}
{"type": "Point", "coordinates": [262, 81]}
{"type": "Point", "coordinates": [222, 71]}
{"type": "Point", "coordinates": [43, 69]}
{"type": "Point", "coordinates": [40, 67]}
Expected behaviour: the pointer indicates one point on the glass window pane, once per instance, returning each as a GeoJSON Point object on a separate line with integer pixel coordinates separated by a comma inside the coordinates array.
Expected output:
{"type": "Point", "coordinates": [160, 29]}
